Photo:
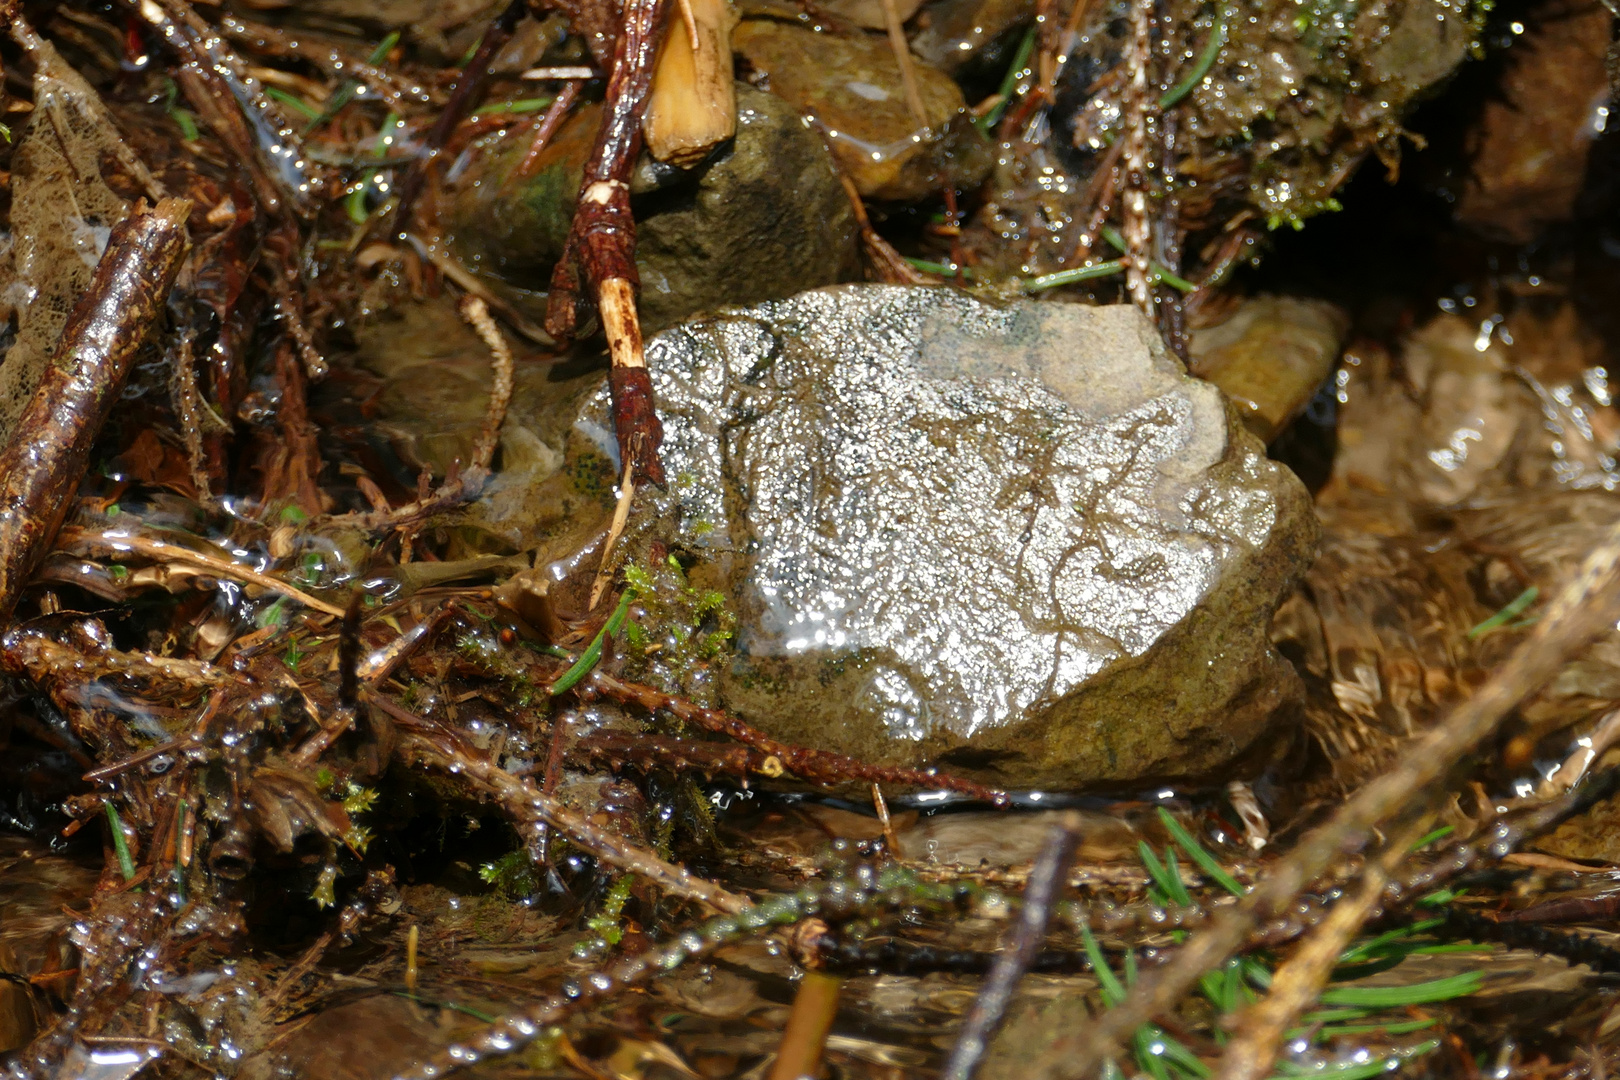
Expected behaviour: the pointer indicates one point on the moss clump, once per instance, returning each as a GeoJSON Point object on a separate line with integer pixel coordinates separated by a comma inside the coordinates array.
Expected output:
{"type": "Point", "coordinates": [678, 630]}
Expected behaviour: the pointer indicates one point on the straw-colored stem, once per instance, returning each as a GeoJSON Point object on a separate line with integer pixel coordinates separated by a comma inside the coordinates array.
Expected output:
{"type": "Point", "coordinates": [693, 105]}
{"type": "Point", "coordinates": [805, 1037]}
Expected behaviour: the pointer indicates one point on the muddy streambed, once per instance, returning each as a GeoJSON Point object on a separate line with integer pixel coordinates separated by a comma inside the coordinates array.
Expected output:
{"type": "Point", "coordinates": [861, 539]}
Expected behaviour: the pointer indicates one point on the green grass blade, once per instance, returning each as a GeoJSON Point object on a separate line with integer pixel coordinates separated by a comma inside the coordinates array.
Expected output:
{"type": "Point", "coordinates": [293, 102]}
{"type": "Point", "coordinates": [1515, 608]}
{"type": "Point", "coordinates": [1394, 997]}
{"type": "Point", "coordinates": [1438, 834]}
{"type": "Point", "coordinates": [587, 659]}
{"type": "Point", "coordinates": [1150, 1053]}
{"type": "Point", "coordinates": [1357, 953]}
{"type": "Point", "coordinates": [126, 865]}
{"type": "Point", "coordinates": [1008, 82]}
{"type": "Point", "coordinates": [1197, 853]}
{"type": "Point", "coordinates": [1113, 993]}
{"type": "Point", "coordinates": [1206, 60]}
{"type": "Point", "coordinates": [1363, 1071]}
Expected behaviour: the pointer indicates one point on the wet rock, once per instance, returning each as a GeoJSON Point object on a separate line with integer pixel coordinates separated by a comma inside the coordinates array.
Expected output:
{"type": "Point", "coordinates": [869, 13]}
{"type": "Point", "coordinates": [437, 376]}
{"type": "Point", "coordinates": [1269, 357]}
{"type": "Point", "coordinates": [767, 221]}
{"type": "Point", "coordinates": [1018, 540]}
{"type": "Point", "coordinates": [849, 87]}
{"type": "Point", "coordinates": [1527, 155]}
{"type": "Point", "coordinates": [764, 218]}
{"type": "Point", "coordinates": [960, 33]}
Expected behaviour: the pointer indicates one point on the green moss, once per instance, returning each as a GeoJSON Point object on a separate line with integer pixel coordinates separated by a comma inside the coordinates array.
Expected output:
{"type": "Point", "coordinates": [512, 875]}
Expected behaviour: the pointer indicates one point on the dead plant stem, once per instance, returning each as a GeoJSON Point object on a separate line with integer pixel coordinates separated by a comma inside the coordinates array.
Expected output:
{"type": "Point", "coordinates": [1588, 606]}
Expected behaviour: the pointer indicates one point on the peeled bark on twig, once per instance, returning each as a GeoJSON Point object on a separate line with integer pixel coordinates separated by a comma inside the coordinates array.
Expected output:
{"type": "Point", "coordinates": [1138, 228]}
{"type": "Point", "coordinates": [41, 467]}
{"type": "Point", "coordinates": [693, 104]}
{"type": "Point", "coordinates": [601, 245]}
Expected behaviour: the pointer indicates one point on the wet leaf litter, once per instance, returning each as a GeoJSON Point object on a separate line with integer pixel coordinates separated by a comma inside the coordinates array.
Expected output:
{"type": "Point", "coordinates": [976, 538]}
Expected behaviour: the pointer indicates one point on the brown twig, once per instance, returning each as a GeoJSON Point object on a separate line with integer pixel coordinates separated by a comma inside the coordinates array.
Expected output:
{"type": "Point", "coordinates": [902, 57]}
{"type": "Point", "coordinates": [887, 263]}
{"type": "Point", "coordinates": [226, 99]}
{"type": "Point", "coordinates": [600, 251]}
{"type": "Point", "coordinates": [990, 1006]}
{"type": "Point", "coordinates": [463, 100]}
{"type": "Point", "coordinates": [615, 748]}
{"type": "Point", "coordinates": [41, 467]}
{"type": "Point", "coordinates": [193, 414]}
{"type": "Point", "coordinates": [476, 312]}
{"type": "Point", "coordinates": [292, 462]}
{"type": "Point", "coordinates": [555, 114]}
{"type": "Point", "coordinates": [1298, 983]}
{"type": "Point", "coordinates": [1588, 606]}
{"type": "Point", "coordinates": [1138, 229]}
{"type": "Point", "coordinates": [528, 805]}
{"type": "Point", "coordinates": [436, 252]}
{"type": "Point", "coordinates": [819, 766]}
{"type": "Point", "coordinates": [120, 543]}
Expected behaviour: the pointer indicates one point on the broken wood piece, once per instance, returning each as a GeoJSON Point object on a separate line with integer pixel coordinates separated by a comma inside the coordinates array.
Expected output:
{"type": "Point", "coordinates": [41, 466]}
{"type": "Point", "coordinates": [566, 71]}
{"type": "Point", "coordinates": [693, 104]}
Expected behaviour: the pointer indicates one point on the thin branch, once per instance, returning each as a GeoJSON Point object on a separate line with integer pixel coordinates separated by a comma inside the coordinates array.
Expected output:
{"type": "Point", "coordinates": [902, 57]}
{"type": "Point", "coordinates": [804, 1036]}
{"type": "Point", "coordinates": [444, 749]}
{"type": "Point", "coordinates": [41, 468]}
{"type": "Point", "coordinates": [816, 765]}
{"type": "Point", "coordinates": [117, 542]}
{"type": "Point", "coordinates": [1588, 606]}
{"type": "Point", "coordinates": [990, 1007]}
{"type": "Point", "coordinates": [476, 312]}
{"type": "Point", "coordinates": [1298, 982]}
{"type": "Point", "coordinates": [600, 251]}
{"type": "Point", "coordinates": [1138, 228]}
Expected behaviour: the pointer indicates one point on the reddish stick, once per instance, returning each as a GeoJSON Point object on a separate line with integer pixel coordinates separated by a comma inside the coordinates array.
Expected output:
{"type": "Point", "coordinates": [602, 244]}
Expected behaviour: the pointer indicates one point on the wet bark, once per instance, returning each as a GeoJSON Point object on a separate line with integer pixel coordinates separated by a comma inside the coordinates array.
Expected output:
{"type": "Point", "coordinates": [40, 470]}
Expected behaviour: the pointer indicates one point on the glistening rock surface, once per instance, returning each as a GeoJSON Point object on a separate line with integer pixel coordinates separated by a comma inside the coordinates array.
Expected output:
{"type": "Point", "coordinates": [1018, 540]}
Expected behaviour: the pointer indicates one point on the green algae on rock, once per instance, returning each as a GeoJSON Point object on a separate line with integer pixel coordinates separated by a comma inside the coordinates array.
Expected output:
{"type": "Point", "coordinates": [849, 86]}
{"type": "Point", "coordinates": [1016, 540]}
